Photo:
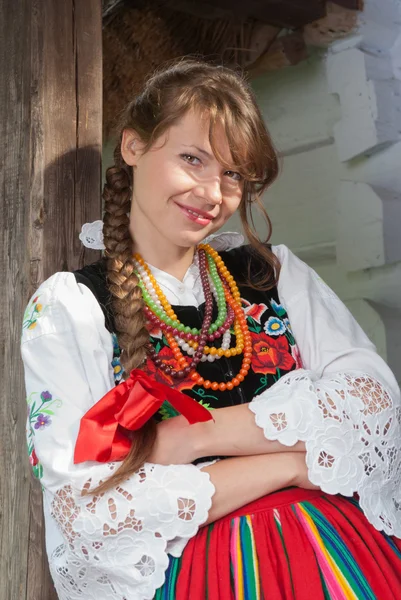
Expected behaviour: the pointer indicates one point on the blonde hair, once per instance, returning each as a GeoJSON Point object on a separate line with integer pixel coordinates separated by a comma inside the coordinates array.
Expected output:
{"type": "Point", "coordinates": [172, 91]}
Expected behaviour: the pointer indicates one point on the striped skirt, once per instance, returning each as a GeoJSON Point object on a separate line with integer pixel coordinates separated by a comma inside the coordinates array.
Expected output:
{"type": "Point", "coordinates": [294, 544]}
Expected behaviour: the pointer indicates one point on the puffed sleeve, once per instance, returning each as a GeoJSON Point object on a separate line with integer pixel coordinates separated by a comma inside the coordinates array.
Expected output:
{"type": "Point", "coordinates": [344, 404]}
{"type": "Point", "coordinates": [113, 545]}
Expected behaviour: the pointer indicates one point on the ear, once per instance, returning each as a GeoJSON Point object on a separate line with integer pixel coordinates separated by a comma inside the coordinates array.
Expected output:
{"type": "Point", "coordinates": [131, 147]}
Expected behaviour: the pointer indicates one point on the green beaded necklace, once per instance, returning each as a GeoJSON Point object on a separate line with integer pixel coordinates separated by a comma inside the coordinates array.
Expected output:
{"type": "Point", "coordinates": [162, 315]}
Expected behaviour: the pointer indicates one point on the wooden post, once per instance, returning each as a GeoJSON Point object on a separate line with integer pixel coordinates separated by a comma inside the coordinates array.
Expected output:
{"type": "Point", "coordinates": [50, 166]}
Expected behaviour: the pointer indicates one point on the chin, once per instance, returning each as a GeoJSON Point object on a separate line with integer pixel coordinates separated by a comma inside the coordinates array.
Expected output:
{"type": "Point", "coordinates": [193, 238]}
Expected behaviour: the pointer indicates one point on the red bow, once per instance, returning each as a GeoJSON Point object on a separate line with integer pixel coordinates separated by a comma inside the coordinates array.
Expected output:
{"type": "Point", "coordinates": [130, 404]}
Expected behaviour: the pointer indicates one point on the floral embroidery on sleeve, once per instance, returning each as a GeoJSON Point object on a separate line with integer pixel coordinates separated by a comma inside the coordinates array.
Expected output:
{"type": "Point", "coordinates": [34, 311]}
{"type": "Point", "coordinates": [39, 417]}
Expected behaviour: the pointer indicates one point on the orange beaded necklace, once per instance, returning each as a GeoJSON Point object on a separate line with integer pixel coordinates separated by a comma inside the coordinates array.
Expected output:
{"type": "Point", "coordinates": [162, 313]}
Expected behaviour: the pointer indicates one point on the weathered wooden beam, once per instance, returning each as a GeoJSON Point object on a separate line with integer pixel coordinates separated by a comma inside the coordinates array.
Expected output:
{"type": "Point", "coordinates": [285, 51]}
{"type": "Point", "coordinates": [280, 13]}
{"type": "Point", "coordinates": [351, 4]}
{"type": "Point", "coordinates": [50, 126]}
{"type": "Point", "coordinates": [287, 13]}
{"type": "Point", "coordinates": [263, 36]}
{"type": "Point", "coordinates": [69, 112]}
{"type": "Point", "coordinates": [15, 155]}
{"type": "Point", "coordinates": [110, 6]}
{"type": "Point", "coordinates": [339, 22]}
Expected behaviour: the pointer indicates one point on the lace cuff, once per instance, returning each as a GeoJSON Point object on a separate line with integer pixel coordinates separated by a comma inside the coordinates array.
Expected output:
{"type": "Point", "coordinates": [116, 542]}
{"type": "Point", "coordinates": [352, 430]}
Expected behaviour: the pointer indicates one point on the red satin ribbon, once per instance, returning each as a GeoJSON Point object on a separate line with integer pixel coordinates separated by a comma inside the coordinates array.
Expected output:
{"type": "Point", "coordinates": [130, 404]}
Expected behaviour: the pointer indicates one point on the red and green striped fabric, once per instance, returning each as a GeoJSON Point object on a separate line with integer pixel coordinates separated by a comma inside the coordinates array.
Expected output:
{"type": "Point", "coordinates": [291, 545]}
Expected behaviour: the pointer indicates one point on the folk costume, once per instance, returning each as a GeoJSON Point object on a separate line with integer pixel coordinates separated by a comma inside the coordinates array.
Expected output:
{"type": "Point", "coordinates": [312, 375]}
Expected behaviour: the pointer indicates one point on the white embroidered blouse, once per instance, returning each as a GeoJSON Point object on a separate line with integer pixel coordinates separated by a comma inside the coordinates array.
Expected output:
{"type": "Point", "coordinates": [345, 404]}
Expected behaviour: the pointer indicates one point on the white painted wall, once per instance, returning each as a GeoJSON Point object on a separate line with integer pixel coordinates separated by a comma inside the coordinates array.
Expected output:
{"type": "Point", "coordinates": [304, 205]}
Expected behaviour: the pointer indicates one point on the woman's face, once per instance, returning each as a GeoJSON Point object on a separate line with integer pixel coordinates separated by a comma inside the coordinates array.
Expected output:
{"type": "Point", "coordinates": [181, 192]}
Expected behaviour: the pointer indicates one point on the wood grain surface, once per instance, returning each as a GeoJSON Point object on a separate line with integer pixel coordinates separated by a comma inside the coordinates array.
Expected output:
{"type": "Point", "coordinates": [50, 176]}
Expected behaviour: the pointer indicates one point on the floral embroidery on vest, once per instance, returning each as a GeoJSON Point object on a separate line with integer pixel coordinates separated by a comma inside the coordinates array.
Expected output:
{"type": "Point", "coordinates": [118, 369]}
{"type": "Point", "coordinates": [254, 311]}
{"type": "Point", "coordinates": [166, 354]}
{"type": "Point", "coordinates": [167, 411]}
{"type": "Point", "coordinates": [269, 355]}
{"type": "Point", "coordinates": [274, 346]}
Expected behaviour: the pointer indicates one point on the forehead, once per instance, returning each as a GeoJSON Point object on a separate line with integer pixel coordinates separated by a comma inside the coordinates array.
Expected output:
{"type": "Point", "coordinates": [193, 130]}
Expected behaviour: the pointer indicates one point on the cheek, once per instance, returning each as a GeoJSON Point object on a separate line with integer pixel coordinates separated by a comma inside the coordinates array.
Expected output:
{"type": "Point", "coordinates": [175, 182]}
{"type": "Point", "coordinates": [231, 205]}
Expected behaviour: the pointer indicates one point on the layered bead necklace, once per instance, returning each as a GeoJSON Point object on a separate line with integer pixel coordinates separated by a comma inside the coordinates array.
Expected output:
{"type": "Point", "coordinates": [218, 282]}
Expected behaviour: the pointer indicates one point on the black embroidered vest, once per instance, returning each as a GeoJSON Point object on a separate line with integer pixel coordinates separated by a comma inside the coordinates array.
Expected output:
{"type": "Point", "coordinates": [274, 348]}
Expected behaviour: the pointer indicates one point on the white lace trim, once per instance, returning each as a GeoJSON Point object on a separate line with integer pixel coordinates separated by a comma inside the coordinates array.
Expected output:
{"type": "Point", "coordinates": [226, 240]}
{"type": "Point", "coordinates": [352, 430]}
{"type": "Point", "coordinates": [116, 543]}
{"type": "Point", "coordinates": [91, 236]}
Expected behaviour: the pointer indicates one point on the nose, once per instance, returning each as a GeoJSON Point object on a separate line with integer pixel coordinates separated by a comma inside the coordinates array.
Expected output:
{"type": "Point", "coordinates": [210, 191]}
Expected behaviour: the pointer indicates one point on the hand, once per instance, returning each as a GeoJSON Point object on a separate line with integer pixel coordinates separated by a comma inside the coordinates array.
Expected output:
{"type": "Point", "coordinates": [174, 443]}
{"type": "Point", "coordinates": [301, 478]}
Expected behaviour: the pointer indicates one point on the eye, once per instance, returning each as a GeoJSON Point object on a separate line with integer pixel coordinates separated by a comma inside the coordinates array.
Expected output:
{"type": "Point", "coordinates": [234, 175]}
{"type": "Point", "coordinates": [189, 158]}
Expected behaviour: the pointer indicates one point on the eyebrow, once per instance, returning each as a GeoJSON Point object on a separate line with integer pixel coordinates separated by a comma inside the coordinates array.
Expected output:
{"type": "Point", "coordinates": [200, 150]}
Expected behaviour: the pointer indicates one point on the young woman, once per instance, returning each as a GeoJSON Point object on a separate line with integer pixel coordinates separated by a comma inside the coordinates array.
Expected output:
{"type": "Point", "coordinates": [278, 476]}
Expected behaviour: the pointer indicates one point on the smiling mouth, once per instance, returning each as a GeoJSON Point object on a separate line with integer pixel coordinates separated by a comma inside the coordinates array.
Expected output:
{"type": "Point", "coordinates": [199, 217]}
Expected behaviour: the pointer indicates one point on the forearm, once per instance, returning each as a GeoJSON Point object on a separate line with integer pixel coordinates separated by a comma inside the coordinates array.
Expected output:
{"type": "Point", "coordinates": [234, 433]}
{"type": "Point", "coordinates": [243, 479]}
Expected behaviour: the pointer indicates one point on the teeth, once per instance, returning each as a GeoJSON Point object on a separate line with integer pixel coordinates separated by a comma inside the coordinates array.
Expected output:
{"type": "Point", "coordinates": [194, 213]}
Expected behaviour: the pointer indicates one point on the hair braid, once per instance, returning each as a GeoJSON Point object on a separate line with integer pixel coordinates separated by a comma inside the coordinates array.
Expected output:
{"type": "Point", "coordinates": [129, 317]}
{"type": "Point", "coordinates": [128, 305]}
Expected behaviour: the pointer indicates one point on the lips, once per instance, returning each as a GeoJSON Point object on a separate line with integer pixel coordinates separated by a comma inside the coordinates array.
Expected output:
{"type": "Point", "coordinates": [196, 212]}
{"type": "Point", "coordinates": [201, 218]}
